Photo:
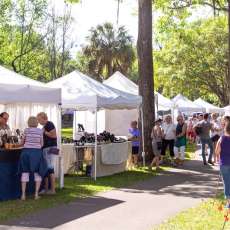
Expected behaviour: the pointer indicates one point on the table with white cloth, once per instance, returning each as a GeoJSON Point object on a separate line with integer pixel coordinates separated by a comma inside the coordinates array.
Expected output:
{"type": "Point", "coordinates": [111, 158]}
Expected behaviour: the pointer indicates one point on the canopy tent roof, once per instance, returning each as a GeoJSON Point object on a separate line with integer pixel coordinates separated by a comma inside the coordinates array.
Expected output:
{"type": "Point", "coordinates": [16, 88]}
{"type": "Point", "coordinates": [209, 107]}
{"type": "Point", "coordinates": [183, 104]}
{"type": "Point", "coordinates": [120, 82]}
{"type": "Point", "coordinates": [163, 102]}
{"type": "Point", "coordinates": [84, 93]}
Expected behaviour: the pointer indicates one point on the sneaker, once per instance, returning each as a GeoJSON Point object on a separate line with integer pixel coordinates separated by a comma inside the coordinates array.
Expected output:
{"type": "Point", "coordinates": [50, 192]}
{"type": "Point", "coordinates": [42, 192]}
{"type": "Point", "coordinates": [211, 163]}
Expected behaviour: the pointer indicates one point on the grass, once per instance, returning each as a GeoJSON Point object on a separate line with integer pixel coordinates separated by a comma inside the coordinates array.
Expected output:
{"type": "Point", "coordinates": [75, 187]}
{"type": "Point", "coordinates": [67, 132]}
{"type": "Point", "coordinates": [205, 216]}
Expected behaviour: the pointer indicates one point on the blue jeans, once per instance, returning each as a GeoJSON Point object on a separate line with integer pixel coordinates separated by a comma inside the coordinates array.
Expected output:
{"type": "Point", "coordinates": [225, 172]}
{"type": "Point", "coordinates": [209, 142]}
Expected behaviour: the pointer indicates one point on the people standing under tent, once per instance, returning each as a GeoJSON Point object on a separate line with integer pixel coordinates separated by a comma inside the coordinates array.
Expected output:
{"type": "Point", "coordinates": [223, 156]}
{"type": "Point", "coordinates": [180, 142]}
{"type": "Point", "coordinates": [49, 150]}
{"type": "Point", "coordinates": [4, 117]}
{"type": "Point", "coordinates": [134, 136]}
{"type": "Point", "coordinates": [205, 138]}
{"type": "Point", "coordinates": [215, 132]}
{"type": "Point", "coordinates": [156, 136]}
{"type": "Point", "coordinates": [31, 159]}
{"type": "Point", "coordinates": [168, 137]}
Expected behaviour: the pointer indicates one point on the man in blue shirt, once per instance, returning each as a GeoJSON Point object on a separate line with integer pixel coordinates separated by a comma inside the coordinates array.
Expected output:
{"type": "Point", "coordinates": [134, 136]}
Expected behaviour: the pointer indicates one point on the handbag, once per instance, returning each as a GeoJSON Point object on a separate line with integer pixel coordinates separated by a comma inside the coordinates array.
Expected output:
{"type": "Point", "coordinates": [54, 151]}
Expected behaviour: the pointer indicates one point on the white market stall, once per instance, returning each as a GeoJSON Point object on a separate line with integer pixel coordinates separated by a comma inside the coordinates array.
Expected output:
{"type": "Point", "coordinates": [209, 107]}
{"type": "Point", "coordinates": [118, 121]}
{"type": "Point", "coordinates": [83, 93]}
{"type": "Point", "coordinates": [22, 97]}
{"type": "Point", "coordinates": [182, 104]}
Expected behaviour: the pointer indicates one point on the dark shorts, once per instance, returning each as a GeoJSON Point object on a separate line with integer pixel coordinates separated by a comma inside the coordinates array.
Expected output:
{"type": "Point", "coordinates": [135, 150]}
{"type": "Point", "coordinates": [215, 138]}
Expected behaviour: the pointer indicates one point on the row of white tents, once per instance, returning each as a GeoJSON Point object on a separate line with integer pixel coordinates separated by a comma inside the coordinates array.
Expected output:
{"type": "Point", "coordinates": [116, 99]}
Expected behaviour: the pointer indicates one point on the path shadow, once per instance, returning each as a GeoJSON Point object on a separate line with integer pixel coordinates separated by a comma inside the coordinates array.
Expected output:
{"type": "Point", "coordinates": [192, 180]}
{"type": "Point", "coordinates": [62, 214]}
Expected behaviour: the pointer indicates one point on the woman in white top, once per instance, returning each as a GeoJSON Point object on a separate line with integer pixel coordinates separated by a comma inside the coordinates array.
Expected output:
{"type": "Point", "coordinates": [216, 132]}
{"type": "Point", "coordinates": [169, 135]}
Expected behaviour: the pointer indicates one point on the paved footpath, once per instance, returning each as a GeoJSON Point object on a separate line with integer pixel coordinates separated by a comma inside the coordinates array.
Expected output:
{"type": "Point", "coordinates": [139, 207]}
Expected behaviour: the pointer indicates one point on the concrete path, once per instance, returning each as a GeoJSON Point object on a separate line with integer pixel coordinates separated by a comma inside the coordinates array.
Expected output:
{"type": "Point", "coordinates": [139, 207]}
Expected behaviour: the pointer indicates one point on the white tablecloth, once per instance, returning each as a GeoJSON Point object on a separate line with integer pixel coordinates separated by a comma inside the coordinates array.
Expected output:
{"type": "Point", "coordinates": [111, 158]}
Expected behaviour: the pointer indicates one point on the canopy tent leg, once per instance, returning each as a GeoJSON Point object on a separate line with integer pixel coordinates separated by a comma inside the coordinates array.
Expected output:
{"type": "Point", "coordinates": [142, 135]}
{"type": "Point", "coordinates": [95, 150]}
{"type": "Point", "coordinates": [61, 169]}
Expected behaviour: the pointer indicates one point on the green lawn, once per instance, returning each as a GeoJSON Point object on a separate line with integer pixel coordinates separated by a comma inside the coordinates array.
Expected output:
{"type": "Point", "coordinates": [67, 132]}
{"type": "Point", "coordinates": [205, 216]}
{"type": "Point", "coordinates": [75, 187]}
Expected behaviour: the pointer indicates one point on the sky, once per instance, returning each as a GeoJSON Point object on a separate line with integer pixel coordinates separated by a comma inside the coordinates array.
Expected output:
{"type": "Point", "coordinates": [90, 13]}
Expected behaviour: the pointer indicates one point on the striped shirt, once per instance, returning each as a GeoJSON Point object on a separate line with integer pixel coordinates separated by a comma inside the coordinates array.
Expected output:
{"type": "Point", "coordinates": [33, 138]}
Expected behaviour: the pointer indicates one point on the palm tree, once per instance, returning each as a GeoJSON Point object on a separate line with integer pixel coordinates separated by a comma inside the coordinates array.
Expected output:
{"type": "Point", "coordinates": [109, 50]}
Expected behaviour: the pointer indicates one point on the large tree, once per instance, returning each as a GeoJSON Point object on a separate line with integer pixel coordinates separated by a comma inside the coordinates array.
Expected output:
{"type": "Point", "coordinates": [145, 60]}
{"type": "Point", "coordinates": [108, 50]}
{"type": "Point", "coordinates": [194, 57]}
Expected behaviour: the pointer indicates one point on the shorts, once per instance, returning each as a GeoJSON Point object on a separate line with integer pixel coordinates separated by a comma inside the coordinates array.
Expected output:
{"type": "Point", "coordinates": [50, 160]}
{"type": "Point", "coordinates": [135, 150]}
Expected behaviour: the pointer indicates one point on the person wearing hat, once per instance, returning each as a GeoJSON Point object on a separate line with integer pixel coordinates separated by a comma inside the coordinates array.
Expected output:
{"type": "Point", "coordinates": [156, 136]}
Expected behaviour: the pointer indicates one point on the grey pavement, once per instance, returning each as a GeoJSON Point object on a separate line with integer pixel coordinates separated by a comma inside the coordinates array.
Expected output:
{"type": "Point", "coordinates": [138, 207]}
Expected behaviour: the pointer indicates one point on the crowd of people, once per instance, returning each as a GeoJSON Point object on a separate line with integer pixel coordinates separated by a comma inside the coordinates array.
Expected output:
{"type": "Point", "coordinates": [210, 130]}
{"type": "Point", "coordinates": [39, 149]}
{"type": "Point", "coordinates": [205, 129]}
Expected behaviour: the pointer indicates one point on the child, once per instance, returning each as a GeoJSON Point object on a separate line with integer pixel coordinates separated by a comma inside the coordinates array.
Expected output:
{"type": "Point", "coordinates": [223, 154]}
{"type": "Point", "coordinates": [31, 160]}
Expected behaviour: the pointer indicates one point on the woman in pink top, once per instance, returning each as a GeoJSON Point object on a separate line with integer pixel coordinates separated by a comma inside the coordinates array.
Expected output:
{"type": "Point", "coordinates": [31, 159]}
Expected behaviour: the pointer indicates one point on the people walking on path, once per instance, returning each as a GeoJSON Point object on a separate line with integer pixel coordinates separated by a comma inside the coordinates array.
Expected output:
{"type": "Point", "coordinates": [180, 142]}
{"type": "Point", "coordinates": [215, 132]}
{"type": "Point", "coordinates": [205, 138]}
{"type": "Point", "coordinates": [223, 154]}
{"type": "Point", "coordinates": [169, 135]}
{"type": "Point", "coordinates": [156, 136]}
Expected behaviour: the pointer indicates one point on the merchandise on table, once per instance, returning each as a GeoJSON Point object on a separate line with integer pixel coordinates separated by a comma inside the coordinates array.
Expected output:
{"type": "Point", "coordinates": [10, 139]}
{"type": "Point", "coordinates": [82, 137]}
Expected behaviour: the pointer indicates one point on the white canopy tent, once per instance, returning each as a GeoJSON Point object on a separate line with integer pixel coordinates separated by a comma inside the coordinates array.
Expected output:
{"type": "Point", "coordinates": [163, 103]}
{"type": "Point", "coordinates": [183, 104]}
{"type": "Point", "coordinates": [83, 93]}
{"type": "Point", "coordinates": [22, 97]}
{"type": "Point", "coordinates": [209, 107]}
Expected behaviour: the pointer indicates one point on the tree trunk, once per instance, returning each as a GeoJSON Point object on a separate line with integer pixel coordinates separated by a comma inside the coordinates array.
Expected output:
{"type": "Point", "coordinates": [145, 65]}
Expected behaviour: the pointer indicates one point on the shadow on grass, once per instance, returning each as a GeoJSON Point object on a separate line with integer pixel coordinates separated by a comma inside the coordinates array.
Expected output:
{"type": "Point", "coordinates": [66, 205]}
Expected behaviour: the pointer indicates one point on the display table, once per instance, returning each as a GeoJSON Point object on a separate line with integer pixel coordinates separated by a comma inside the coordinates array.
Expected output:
{"type": "Point", "coordinates": [9, 179]}
{"type": "Point", "coordinates": [10, 187]}
{"type": "Point", "coordinates": [111, 158]}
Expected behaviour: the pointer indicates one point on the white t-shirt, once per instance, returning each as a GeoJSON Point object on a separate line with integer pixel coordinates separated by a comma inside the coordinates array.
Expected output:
{"type": "Point", "coordinates": [169, 131]}
{"type": "Point", "coordinates": [216, 125]}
